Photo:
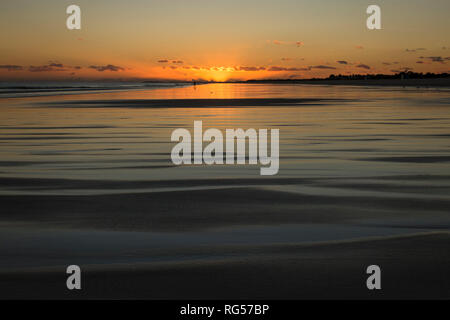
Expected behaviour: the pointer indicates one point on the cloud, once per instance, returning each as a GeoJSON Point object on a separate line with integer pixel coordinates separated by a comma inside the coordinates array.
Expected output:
{"type": "Point", "coordinates": [321, 67]}
{"type": "Point", "coordinates": [250, 68]}
{"type": "Point", "coordinates": [420, 62]}
{"type": "Point", "coordinates": [436, 59]}
{"type": "Point", "coordinates": [170, 61]}
{"type": "Point", "coordinates": [359, 47]}
{"type": "Point", "coordinates": [45, 68]}
{"type": "Point", "coordinates": [363, 66]}
{"type": "Point", "coordinates": [286, 59]}
{"type": "Point", "coordinates": [415, 50]}
{"type": "Point", "coordinates": [342, 62]}
{"type": "Point", "coordinates": [287, 43]}
{"type": "Point", "coordinates": [51, 67]}
{"type": "Point", "coordinates": [108, 67]}
{"type": "Point", "coordinates": [390, 63]}
{"type": "Point", "coordinates": [277, 69]}
{"type": "Point", "coordinates": [11, 67]}
{"type": "Point", "coordinates": [405, 69]}
{"type": "Point", "coordinates": [56, 65]}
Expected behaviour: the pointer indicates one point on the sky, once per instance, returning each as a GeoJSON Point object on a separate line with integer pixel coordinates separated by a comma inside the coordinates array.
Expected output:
{"type": "Point", "coordinates": [220, 40]}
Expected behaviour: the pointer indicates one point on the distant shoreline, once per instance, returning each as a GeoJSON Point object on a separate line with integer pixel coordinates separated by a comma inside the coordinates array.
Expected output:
{"type": "Point", "coordinates": [440, 82]}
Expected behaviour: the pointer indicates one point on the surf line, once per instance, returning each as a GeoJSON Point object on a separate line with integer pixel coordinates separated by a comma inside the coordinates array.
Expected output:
{"type": "Point", "coordinates": [213, 153]}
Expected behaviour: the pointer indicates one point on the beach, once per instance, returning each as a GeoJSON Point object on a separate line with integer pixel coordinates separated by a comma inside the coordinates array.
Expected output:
{"type": "Point", "coordinates": [86, 178]}
{"type": "Point", "coordinates": [415, 267]}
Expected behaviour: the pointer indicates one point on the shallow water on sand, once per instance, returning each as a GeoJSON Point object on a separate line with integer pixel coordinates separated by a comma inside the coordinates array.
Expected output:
{"type": "Point", "coordinates": [337, 132]}
{"type": "Point", "coordinates": [354, 162]}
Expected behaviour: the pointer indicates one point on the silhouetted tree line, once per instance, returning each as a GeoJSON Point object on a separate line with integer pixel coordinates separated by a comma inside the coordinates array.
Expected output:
{"type": "Point", "coordinates": [400, 75]}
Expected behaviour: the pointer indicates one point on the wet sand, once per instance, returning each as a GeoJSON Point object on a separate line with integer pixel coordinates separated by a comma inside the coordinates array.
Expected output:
{"type": "Point", "coordinates": [190, 244]}
{"type": "Point", "coordinates": [364, 179]}
{"type": "Point", "coordinates": [191, 103]}
{"type": "Point", "coordinates": [413, 267]}
{"type": "Point", "coordinates": [208, 207]}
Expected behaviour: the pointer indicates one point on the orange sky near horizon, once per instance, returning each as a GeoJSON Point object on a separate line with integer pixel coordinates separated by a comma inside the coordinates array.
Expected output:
{"type": "Point", "coordinates": [220, 40]}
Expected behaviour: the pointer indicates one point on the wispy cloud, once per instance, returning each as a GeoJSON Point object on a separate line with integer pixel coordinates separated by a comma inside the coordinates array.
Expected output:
{"type": "Point", "coordinates": [108, 67]}
{"type": "Point", "coordinates": [342, 62]}
{"type": "Point", "coordinates": [244, 68]}
{"type": "Point", "coordinates": [11, 67]}
{"type": "Point", "coordinates": [287, 43]}
{"type": "Point", "coordinates": [249, 68]}
{"type": "Point", "coordinates": [389, 63]}
{"type": "Point", "coordinates": [170, 61]}
{"type": "Point", "coordinates": [363, 66]}
{"type": "Point", "coordinates": [44, 68]}
{"type": "Point", "coordinates": [436, 59]}
{"type": "Point", "coordinates": [52, 67]}
{"type": "Point", "coordinates": [415, 50]}
{"type": "Point", "coordinates": [405, 69]}
{"type": "Point", "coordinates": [56, 65]}
{"type": "Point", "coordinates": [277, 68]}
{"type": "Point", "coordinates": [322, 67]}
